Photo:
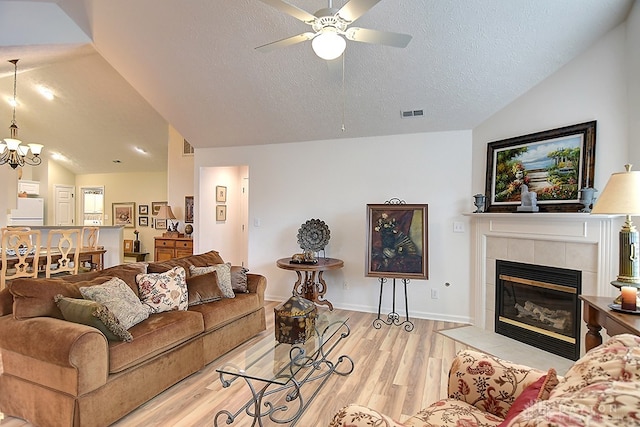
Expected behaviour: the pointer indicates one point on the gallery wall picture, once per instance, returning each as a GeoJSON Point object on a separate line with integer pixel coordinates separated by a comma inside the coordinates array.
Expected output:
{"type": "Point", "coordinates": [221, 212]}
{"type": "Point", "coordinates": [124, 214]}
{"type": "Point", "coordinates": [397, 241]}
{"type": "Point", "coordinates": [188, 209]}
{"type": "Point", "coordinates": [155, 207]}
{"type": "Point", "coordinates": [221, 193]}
{"type": "Point", "coordinates": [143, 209]}
{"type": "Point", "coordinates": [143, 221]}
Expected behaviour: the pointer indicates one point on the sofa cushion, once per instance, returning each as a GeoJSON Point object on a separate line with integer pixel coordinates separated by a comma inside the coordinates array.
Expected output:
{"type": "Point", "coordinates": [454, 413]}
{"type": "Point", "coordinates": [227, 310]}
{"type": "Point", "coordinates": [119, 299]}
{"type": "Point", "coordinates": [6, 302]}
{"type": "Point", "coordinates": [153, 336]}
{"type": "Point", "coordinates": [163, 291]}
{"type": "Point", "coordinates": [615, 360]}
{"type": "Point", "coordinates": [92, 314]}
{"type": "Point", "coordinates": [201, 260]}
{"type": "Point", "coordinates": [535, 392]}
{"type": "Point", "coordinates": [239, 279]}
{"type": "Point", "coordinates": [203, 288]}
{"type": "Point", "coordinates": [608, 403]}
{"type": "Point", "coordinates": [224, 276]}
{"type": "Point", "coordinates": [34, 297]}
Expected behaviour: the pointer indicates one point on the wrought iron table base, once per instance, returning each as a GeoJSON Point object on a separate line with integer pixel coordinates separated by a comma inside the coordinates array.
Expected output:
{"type": "Point", "coordinates": [315, 367]}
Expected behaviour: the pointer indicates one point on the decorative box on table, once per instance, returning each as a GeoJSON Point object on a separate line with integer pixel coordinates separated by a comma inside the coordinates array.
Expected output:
{"type": "Point", "coordinates": [295, 320]}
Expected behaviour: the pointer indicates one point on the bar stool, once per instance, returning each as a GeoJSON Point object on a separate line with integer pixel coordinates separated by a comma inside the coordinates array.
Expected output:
{"type": "Point", "coordinates": [21, 249]}
{"type": "Point", "coordinates": [63, 252]}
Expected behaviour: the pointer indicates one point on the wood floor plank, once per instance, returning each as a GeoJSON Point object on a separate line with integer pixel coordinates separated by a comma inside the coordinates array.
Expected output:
{"type": "Point", "coordinates": [396, 371]}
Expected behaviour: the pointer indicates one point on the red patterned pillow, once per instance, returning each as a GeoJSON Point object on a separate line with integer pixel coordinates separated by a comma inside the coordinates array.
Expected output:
{"type": "Point", "coordinates": [534, 392]}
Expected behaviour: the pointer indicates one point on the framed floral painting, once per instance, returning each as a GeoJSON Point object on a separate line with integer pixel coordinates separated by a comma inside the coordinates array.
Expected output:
{"type": "Point", "coordinates": [397, 241]}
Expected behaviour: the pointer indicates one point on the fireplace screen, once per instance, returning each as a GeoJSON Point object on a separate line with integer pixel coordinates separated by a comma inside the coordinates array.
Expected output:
{"type": "Point", "coordinates": [539, 305]}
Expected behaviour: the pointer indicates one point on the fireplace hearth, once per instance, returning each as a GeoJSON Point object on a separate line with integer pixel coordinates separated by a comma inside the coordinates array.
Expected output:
{"type": "Point", "coordinates": [539, 305]}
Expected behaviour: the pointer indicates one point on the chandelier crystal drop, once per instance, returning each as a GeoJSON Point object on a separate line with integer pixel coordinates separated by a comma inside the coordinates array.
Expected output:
{"type": "Point", "coordinates": [12, 151]}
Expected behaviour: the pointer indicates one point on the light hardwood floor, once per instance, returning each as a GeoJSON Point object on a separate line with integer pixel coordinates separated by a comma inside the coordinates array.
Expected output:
{"type": "Point", "coordinates": [396, 372]}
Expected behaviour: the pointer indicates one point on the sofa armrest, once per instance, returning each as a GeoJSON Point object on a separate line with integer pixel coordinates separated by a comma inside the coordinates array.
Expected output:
{"type": "Point", "coordinates": [487, 382]}
{"type": "Point", "coordinates": [361, 416]}
{"type": "Point", "coordinates": [6, 302]}
{"type": "Point", "coordinates": [66, 356]}
{"type": "Point", "coordinates": [257, 284]}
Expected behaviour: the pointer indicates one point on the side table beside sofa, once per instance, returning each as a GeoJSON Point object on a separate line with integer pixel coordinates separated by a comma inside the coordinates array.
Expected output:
{"type": "Point", "coordinates": [59, 373]}
{"type": "Point", "coordinates": [600, 389]}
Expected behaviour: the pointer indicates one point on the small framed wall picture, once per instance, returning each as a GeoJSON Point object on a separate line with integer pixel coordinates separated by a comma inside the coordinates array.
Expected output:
{"type": "Point", "coordinates": [221, 193]}
{"type": "Point", "coordinates": [188, 209]}
{"type": "Point", "coordinates": [143, 209]}
{"type": "Point", "coordinates": [161, 224]}
{"type": "Point", "coordinates": [143, 221]}
{"type": "Point", "coordinates": [124, 213]}
{"type": "Point", "coordinates": [155, 207]}
{"type": "Point", "coordinates": [221, 213]}
{"type": "Point", "coordinates": [128, 245]}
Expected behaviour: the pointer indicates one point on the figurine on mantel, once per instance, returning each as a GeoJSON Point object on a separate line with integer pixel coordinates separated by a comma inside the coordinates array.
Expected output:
{"type": "Point", "coordinates": [528, 200]}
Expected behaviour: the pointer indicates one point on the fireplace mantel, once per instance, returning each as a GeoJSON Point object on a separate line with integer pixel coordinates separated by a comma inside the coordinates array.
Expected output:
{"type": "Point", "coordinates": [580, 241]}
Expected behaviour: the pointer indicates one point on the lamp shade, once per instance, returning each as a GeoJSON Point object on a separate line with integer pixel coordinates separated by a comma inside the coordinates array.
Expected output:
{"type": "Point", "coordinates": [621, 195]}
{"type": "Point", "coordinates": [165, 212]}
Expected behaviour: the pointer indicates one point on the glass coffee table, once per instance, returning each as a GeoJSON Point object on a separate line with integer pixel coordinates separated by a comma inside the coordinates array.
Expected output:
{"type": "Point", "coordinates": [285, 378]}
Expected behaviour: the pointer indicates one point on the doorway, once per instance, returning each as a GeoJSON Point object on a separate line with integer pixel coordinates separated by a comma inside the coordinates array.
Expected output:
{"type": "Point", "coordinates": [64, 205]}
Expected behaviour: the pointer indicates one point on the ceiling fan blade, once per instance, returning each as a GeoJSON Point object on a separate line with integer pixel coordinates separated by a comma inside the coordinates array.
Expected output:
{"type": "Point", "coordinates": [377, 37]}
{"type": "Point", "coordinates": [286, 42]}
{"type": "Point", "coordinates": [354, 9]}
{"type": "Point", "coordinates": [292, 10]}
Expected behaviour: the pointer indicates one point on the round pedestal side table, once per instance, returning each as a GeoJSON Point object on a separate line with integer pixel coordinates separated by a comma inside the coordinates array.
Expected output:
{"type": "Point", "coordinates": [312, 287]}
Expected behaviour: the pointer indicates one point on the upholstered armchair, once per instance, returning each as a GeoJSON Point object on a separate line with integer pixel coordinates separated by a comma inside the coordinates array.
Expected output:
{"type": "Point", "coordinates": [602, 388]}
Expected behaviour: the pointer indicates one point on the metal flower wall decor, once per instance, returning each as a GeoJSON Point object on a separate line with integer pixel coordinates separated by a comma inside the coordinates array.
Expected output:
{"type": "Point", "coordinates": [313, 235]}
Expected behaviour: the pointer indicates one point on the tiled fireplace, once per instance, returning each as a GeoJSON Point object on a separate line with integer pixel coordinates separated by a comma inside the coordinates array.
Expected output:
{"type": "Point", "coordinates": [574, 241]}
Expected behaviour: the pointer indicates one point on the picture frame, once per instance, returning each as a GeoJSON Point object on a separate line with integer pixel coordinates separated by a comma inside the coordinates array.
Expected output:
{"type": "Point", "coordinates": [397, 241]}
{"type": "Point", "coordinates": [143, 221]}
{"type": "Point", "coordinates": [221, 212]}
{"type": "Point", "coordinates": [221, 193]}
{"type": "Point", "coordinates": [124, 213]}
{"type": "Point", "coordinates": [128, 245]}
{"type": "Point", "coordinates": [160, 224]}
{"type": "Point", "coordinates": [143, 209]}
{"type": "Point", "coordinates": [155, 207]}
{"type": "Point", "coordinates": [188, 209]}
{"type": "Point", "coordinates": [555, 164]}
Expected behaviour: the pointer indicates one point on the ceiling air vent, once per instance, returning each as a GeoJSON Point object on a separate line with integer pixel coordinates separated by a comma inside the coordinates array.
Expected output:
{"type": "Point", "coordinates": [187, 149]}
{"type": "Point", "coordinates": [412, 113]}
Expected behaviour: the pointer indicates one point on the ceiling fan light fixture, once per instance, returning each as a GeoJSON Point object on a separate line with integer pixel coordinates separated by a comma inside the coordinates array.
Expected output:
{"type": "Point", "coordinates": [328, 44]}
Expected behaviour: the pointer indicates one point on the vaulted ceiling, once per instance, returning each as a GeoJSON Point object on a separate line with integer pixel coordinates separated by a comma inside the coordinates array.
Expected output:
{"type": "Point", "coordinates": [123, 70]}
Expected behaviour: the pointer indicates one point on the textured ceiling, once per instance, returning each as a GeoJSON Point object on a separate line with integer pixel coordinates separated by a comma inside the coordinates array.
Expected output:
{"type": "Point", "coordinates": [193, 65]}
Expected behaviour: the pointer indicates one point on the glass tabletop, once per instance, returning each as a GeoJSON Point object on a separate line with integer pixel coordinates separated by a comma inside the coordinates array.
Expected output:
{"type": "Point", "coordinates": [270, 361]}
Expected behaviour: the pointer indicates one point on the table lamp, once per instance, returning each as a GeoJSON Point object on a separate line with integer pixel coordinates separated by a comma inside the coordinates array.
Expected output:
{"type": "Point", "coordinates": [621, 196]}
{"type": "Point", "coordinates": [166, 213]}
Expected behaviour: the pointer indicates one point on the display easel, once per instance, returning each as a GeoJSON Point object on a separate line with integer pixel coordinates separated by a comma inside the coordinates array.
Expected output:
{"type": "Point", "coordinates": [393, 318]}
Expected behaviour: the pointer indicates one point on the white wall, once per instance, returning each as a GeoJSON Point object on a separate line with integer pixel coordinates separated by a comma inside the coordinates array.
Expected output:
{"type": "Point", "coordinates": [591, 87]}
{"type": "Point", "coordinates": [334, 181]}
{"type": "Point", "coordinates": [633, 81]}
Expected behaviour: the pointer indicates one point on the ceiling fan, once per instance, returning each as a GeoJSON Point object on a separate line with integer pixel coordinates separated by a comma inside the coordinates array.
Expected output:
{"type": "Point", "coordinates": [331, 28]}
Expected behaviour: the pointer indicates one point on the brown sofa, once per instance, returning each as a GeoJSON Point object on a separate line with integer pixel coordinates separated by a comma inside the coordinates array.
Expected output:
{"type": "Point", "coordinates": [58, 373]}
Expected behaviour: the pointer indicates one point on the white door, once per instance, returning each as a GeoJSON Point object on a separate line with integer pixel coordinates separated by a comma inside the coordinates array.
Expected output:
{"type": "Point", "coordinates": [65, 210]}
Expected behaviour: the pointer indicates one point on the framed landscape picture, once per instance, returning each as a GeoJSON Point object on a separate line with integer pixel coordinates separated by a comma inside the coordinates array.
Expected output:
{"type": "Point", "coordinates": [124, 214]}
{"type": "Point", "coordinates": [397, 241]}
{"type": "Point", "coordinates": [555, 164]}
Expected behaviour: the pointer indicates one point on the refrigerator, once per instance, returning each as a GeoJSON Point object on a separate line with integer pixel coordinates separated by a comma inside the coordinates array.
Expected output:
{"type": "Point", "coordinates": [30, 211]}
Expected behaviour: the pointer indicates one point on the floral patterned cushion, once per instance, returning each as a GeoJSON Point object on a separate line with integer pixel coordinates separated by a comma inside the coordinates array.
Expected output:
{"type": "Point", "coordinates": [452, 412]}
{"type": "Point", "coordinates": [487, 382]}
{"type": "Point", "coordinates": [617, 359]}
{"type": "Point", "coordinates": [164, 291]}
{"type": "Point", "coordinates": [356, 415]}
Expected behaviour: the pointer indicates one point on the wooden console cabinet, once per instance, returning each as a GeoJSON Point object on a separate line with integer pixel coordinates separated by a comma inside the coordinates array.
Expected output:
{"type": "Point", "coordinates": [172, 247]}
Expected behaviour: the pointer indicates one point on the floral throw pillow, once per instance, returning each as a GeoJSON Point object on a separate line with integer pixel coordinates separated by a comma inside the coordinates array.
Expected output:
{"type": "Point", "coordinates": [120, 299]}
{"type": "Point", "coordinates": [224, 276]}
{"type": "Point", "coordinates": [164, 291]}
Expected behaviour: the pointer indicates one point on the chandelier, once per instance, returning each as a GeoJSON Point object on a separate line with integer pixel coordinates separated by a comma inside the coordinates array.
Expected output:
{"type": "Point", "coordinates": [12, 152]}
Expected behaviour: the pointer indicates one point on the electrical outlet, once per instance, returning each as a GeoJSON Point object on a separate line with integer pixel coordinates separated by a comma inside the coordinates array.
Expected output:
{"type": "Point", "coordinates": [458, 227]}
{"type": "Point", "coordinates": [435, 294]}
